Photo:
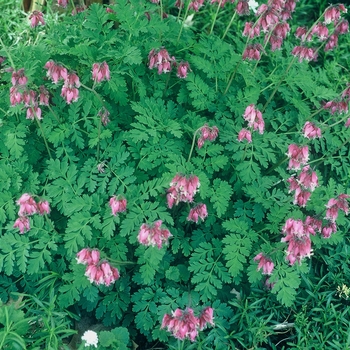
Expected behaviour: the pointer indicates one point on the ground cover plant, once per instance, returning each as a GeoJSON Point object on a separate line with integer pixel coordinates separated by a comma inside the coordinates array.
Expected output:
{"type": "Point", "coordinates": [175, 175]}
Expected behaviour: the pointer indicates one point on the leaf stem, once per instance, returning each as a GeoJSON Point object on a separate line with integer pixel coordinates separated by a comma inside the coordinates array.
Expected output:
{"type": "Point", "coordinates": [229, 25]}
{"type": "Point", "coordinates": [43, 135]}
{"type": "Point", "coordinates": [8, 54]}
{"type": "Point", "coordinates": [214, 19]}
{"type": "Point", "coordinates": [193, 142]}
{"type": "Point", "coordinates": [183, 21]}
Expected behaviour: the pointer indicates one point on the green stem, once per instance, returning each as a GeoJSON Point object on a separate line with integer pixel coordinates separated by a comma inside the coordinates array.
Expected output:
{"type": "Point", "coordinates": [43, 135]}
{"type": "Point", "coordinates": [229, 25]}
{"type": "Point", "coordinates": [53, 113]}
{"type": "Point", "coordinates": [183, 21]}
{"type": "Point", "coordinates": [74, 9]}
{"type": "Point", "coordinates": [193, 143]}
{"type": "Point", "coordinates": [278, 84]}
{"type": "Point", "coordinates": [8, 54]}
{"type": "Point", "coordinates": [231, 78]}
{"type": "Point", "coordinates": [216, 15]}
{"type": "Point", "coordinates": [161, 10]}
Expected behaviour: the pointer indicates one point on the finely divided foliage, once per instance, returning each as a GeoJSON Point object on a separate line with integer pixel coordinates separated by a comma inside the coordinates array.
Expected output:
{"type": "Point", "coordinates": [197, 174]}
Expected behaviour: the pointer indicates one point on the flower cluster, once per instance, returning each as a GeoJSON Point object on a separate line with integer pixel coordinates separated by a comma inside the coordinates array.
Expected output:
{"type": "Point", "coordinates": [183, 324]}
{"type": "Point", "coordinates": [297, 156]}
{"type": "Point", "coordinates": [153, 235]}
{"type": "Point", "coordinates": [199, 211]}
{"type": "Point", "coordinates": [71, 84]}
{"type": "Point", "coordinates": [340, 105]}
{"type": "Point", "coordinates": [298, 236]}
{"type": "Point", "coordinates": [255, 121]}
{"type": "Point", "coordinates": [336, 204]}
{"type": "Point", "coordinates": [161, 60]}
{"type": "Point", "coordinates": [306, 181]}
{"type": "Point", "coordinates": [28, 206]}
{"type": "Point", "coordinates": [272, 21]}
{"type": "Point", "coordinates": [100, 72]}
{"type": "Point", "coordinates": [182, 189]}
{"type": "Point", "coordinates": [118, 205]}
{"type": "Point", "coordinates": [311, 131]}
{"type": "Point", "coordinates": [103, 113]}
{"type": "Point", "coordinates": [19, 93]}
{"type": "Point", "coordinates": [321, 32]}
{"type": "Point", "coordinates": [207, 133]}
{"type": "Point", "coordinates": [35, 18]}
{"type": "Point", "coordinates": [265, 264]}
{"type": "Point", "coordinates": [97, 271]}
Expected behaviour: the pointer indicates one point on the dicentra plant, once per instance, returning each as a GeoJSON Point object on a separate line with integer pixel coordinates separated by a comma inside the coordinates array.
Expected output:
{"type": "Point", "coordinates": [177, 174]}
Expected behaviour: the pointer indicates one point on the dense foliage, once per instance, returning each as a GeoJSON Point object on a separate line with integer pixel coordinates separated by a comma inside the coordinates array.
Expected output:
{"type": "Point", "coordinates": [152, 161]}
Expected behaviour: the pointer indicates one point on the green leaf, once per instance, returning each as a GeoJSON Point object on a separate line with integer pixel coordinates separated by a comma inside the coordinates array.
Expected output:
{"type": "Point", "coordinates": [221, 194]}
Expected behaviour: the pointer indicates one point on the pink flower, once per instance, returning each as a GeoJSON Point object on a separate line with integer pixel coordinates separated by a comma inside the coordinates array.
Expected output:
{"type": "Point", "coordinates": [311, 131]}
{"type": "Point", "coordinates": [297, 156]}
{"type": "Point", "coordinates": [55, 72]}
{"type": "Point", "coordinates": [62, 3]}
{"type": "Point", "coordinates": [207, 133]}
{"type": "Point", "coordinates": [254, 118]}
{"type": "Point", "coordinates": [305, 53]}
{"type": "Point", "coordinates": [332, 14]}
{"type": "Point", "coordinates": [265, 264]}
{"type": "Point", "coordinates": [160, 60]}
{"type": "Point", "coordinates": [110, 274]}
{"type": "Point", "coordinates": [23, 224]}
{"type": "Point", "coordinates": [18, 77]}
{"type": "Point", "coordinates": [308, 178]}
{"type": "Point", "coordinates": [335, 204]}
{"type": "Point", "coordinates": [298, 237]}
{"type": "Point", "coordinates": [100, 71]}
{"type": "Point", "coordinates": [35, 18]}
{"type": "Point", "coordinates": [182, 189]}
{"type": "Point", "coordinates": [332, 42]}
{"type": "Point", "coordinates": [34, 112]}
{"type": "Point", "coordinates": [153, 235]}
{"type": "Point", "coordinates": [327, 230]}
{"type": "Point", "coordinates": [314, 223]}
{"type": "Point", "coordinates": [242, 8]}
{"type": "Point", "coordinates": [117, 205]}
{"type": "Point", "coordinates": [88, 256]}
{"type": "Point", "coordinates": [15, 96]}
{"type": "Point", "coordinates": [245, 134]}
{"type": "Point", "coordinates": [301, 197]}
{"type": "Point", "coordinates": [342, 27]}
{"type": "Point", "coordinates": [44, 96]}
{"type": "Point", "coordinates": [250, 30]}
{"type": "Point", "coordinates": [70, 94]}
{"type": "Point", "coordinates": [206, 317]}
{"type": "Point", "coordinates": [195, 5]}
{"type": "Point", "coordinates": [252, 52]}
{"type": "Point", "coordinates": [104, 114]}
{"type": "Point", "coordinates": [43, 207]}
{"type": "Point", "coordinates": [182, 69]}
{"type": "Point", "coordinates": [199, 211]}
{"type": "Point", "coordinates": [27, 205]}
{"type": "Point", "coordinates": [182, 324]}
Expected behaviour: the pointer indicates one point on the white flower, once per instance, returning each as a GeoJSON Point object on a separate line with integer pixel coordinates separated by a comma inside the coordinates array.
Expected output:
{"type": "Point", "coordinates": [90, 338]}
{"type": "Point", "coordinates": [253, 5]}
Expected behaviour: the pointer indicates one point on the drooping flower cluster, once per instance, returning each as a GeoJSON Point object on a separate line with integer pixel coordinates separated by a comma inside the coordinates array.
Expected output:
{"type": "Point", "coordinates": [255, 122]}
{"type": "Point", "coordinates": [198, 212]}
{"type": "Point", "coordinates": [207, 133]}
{"type": "Point", "coordinates": [265, 264]}
{"type": "Point", "coordinates": [161, 60]}
{"type": "Point", "coordinates": [182, 189]}
{"type": "Point", "coordinates": [297, 156]}
{"type": "Point", "coordinates": [340, 105]}
{"type": "Point", "coordinates": [27, 207]}
{"type": "Point", "coordinates": [183, 324]}
{"type": "Point", "coordinates": [97, 271]}
{"type": "Point", "coordinates": [153, 235]}
{"type": "Point", "coordinates": [71, 83]}
{"type": "Point", "coordinates": [19, 93]}
{"type": "Point", "coordinates": [103, 113]}
{"type": "Point", "coordinates": [311, 131]}
{"type": "Point", "coordinates": [297, 234]}
{"type": "Point", "coordinates": [118, 205]}
{"type": "Point", "coordinates": [335, 204]}
{"type": "Point", "coordinates": [35, 18]}
{"type": "Point", "coordinates": [272, 21]}
{"type": "Point", "coordinates": [302, 185]}
{"type": "Point", "coordinates": [62, 3]}
{"type": "Point", "coordinates": [100, 72]}
{"type": "Point", "coordinates": [321, 32]}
